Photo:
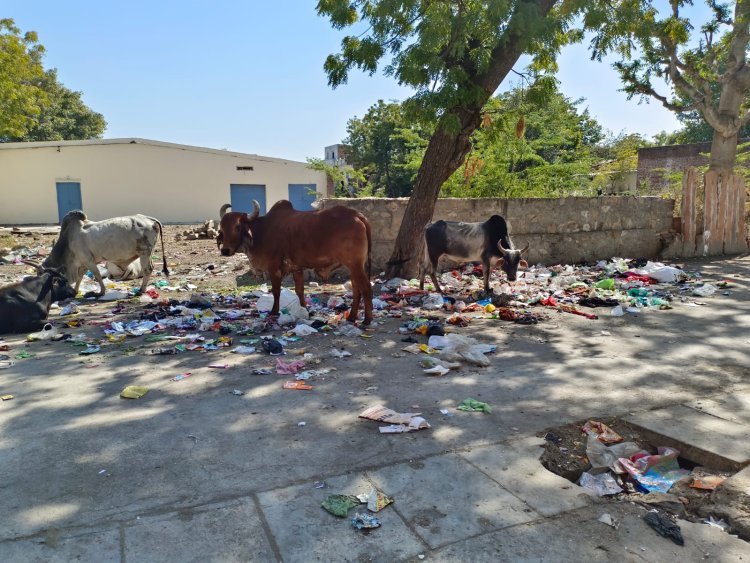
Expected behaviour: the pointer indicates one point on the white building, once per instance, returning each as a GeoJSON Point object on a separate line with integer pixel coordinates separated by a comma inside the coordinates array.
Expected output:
{"type": "Point", "coordinates": [41, 181]}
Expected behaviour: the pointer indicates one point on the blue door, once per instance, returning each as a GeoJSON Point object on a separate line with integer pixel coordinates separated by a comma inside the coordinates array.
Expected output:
{"type": "Point", "coordinates": [68, 198]}
{"type": "Point", "coordinates": [302, 196]}
{"type": "Point", "coordinates": [242, 196]}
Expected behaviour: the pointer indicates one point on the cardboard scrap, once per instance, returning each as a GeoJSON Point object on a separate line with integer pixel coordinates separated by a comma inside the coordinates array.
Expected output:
{"type": "Point", "coordinates": [399, 422]}
{"type": "Point", "coordinates": [6, 397]}
{"type": "Point", "coordinates": [376, 501]}
{"type": "Point", "coordinates": [299, 385]}
{"type": "Point", "coordinates": [707, 482]}
{"type": "Point", "coordinates": [603, 432]}
{"type": "Point", "coordinates": [380, 413]}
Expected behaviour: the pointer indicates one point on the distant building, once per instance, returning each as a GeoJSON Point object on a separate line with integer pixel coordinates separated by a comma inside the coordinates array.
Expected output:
{"type": "Point", "coordinates": [41, 181]}
{"type": "Point", "coordinates": [655, 164]}
{"type": "Point", "coordinates": [335, 155]}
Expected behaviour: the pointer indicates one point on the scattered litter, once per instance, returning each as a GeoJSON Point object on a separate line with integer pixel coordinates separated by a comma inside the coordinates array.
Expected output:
{"type": "Point", "coordinates": [288, 368]}
{"type": "Point", "coordinates": [655, 472]}
{"type": "Point", "coordinates": [348, 329]}
{"type": "Point", "coordinates": [399, 422]}
{"type": "Point", "coordinates": [272, 346]}
{"type": "Point", "coordinates": [181, 376]}
{"type": "Point", "coordinates": [339, 505]}
{"type": "Point", "coordinates": [133, 392]}
{"type": "Point", "coordinates": [320, 485]}
{"type": "Point", "coordinates": [472, 405]}
{"type": "Point", "coordinates": [237, 392]}
{"type": "Point", "coordinates": [711, 521]}
{"type": "Point", "coordinates": [708, 482]}
{"type": "Point", "coordinates": [48, 332]}
{"type": "Point", "coordinates": [303, 330]}
{"type": "Point", "coordinates": [376, 501]}
{"type": "Point", "coordinates": [218, 366]}
{"type": "Point", "coordinates": [336, 353]}
{"type": "Point", "coordinates": [607, 519]}
{"type": "Point", "coordinates": [261, 371]}
{"type": "Point", "coordinates": [24, 355]}
{"type": "Point", "coordinates": [90, 350]}
{"type": "Point", "coordinates": [437, 370]}
{"type": "Point", "coordinates": [362, 520]}
{"type": "Point", "coordinates": [664, 526]}
{"type": "Point", "coordinates": [302, 423]}
{"type": "Point", "coordinates": [603, 432]}
{"type": "Point", "coordinates": [602, 484]}
{"type": "Point", "coordinates": [704, 290]}
{"type": "Point", "coordinates": [446, 412]}
{"type": "Point", "coordinates": [7, 397]}
{"type": "Point", "coordinates": [244, 350]}
{"type": "Point", "coordinates": [296, 385]}
{"type": "Point", "coordinates": [459, 348]}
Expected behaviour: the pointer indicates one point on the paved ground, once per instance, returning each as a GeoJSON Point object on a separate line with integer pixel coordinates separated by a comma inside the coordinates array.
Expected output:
{"type": "Point", "coordinates": [191, 472]}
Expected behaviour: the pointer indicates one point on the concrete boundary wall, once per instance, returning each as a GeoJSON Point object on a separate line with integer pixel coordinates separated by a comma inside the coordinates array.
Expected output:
{"type": "Point", "coordinates": [567, 230]}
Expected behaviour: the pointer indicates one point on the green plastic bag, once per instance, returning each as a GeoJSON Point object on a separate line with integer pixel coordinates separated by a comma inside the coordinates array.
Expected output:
{"type": "Point", "coordinates": [472, 405]}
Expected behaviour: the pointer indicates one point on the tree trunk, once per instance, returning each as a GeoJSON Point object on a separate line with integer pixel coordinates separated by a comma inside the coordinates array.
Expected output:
{"type": "Point", "coordinates": [724, 143]}
{"type": "Point", "coordinates": [445, 153]}
{"type": "Point", "coordinates": [449, 145]}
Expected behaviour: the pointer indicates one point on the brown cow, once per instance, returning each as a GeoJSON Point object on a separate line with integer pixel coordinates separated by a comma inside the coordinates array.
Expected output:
{"type": "Point", "coordinates": [286, 240]}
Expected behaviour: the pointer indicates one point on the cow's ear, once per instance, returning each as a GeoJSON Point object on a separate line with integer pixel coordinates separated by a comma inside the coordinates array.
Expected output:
{"type": "Point", "coordinates": [523, 264]}
{"type": "Point", "coordinates": [501, 262]}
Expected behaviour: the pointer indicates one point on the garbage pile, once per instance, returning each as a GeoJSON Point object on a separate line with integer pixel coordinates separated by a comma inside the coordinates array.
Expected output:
{"type": "Point", "coordinates": [618, 286]}
{"type": "Point", "coordinates": [205, 231]}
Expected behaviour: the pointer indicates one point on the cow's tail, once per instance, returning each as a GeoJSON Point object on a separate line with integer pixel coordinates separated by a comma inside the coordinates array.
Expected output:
{"type": "Point", "coordinates": [164, 270]}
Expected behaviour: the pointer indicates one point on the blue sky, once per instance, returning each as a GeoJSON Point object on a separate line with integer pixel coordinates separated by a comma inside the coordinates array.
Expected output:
{"type": "Point", "coordinates": [247, 76]}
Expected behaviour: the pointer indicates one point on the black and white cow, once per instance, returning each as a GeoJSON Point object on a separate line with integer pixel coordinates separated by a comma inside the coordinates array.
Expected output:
{"type": "Point", "coordinates": [488, 242]}
{"type": "Point", "coordinates": [24, 306]}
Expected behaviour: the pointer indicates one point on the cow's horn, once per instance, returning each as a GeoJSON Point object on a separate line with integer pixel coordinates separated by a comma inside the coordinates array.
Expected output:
{"type": "Point", "coordinates": [256, 210]}
{"type": "Point", "coordinates": [223, 209]}
{"type": "Point", "coordinates": [38, 267]}
{"type": "Point", "coordinates": [525, 248]}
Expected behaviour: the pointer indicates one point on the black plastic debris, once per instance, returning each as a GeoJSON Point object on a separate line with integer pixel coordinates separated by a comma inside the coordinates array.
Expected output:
{"type": "Point", "coordinates": [664, 527]}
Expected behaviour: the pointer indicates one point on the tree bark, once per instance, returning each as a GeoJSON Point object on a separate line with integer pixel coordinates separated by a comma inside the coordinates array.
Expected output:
{"type": "Point", "coordinates": [449, 146]}
{"type": "Point", "coordinates": [724, 143]}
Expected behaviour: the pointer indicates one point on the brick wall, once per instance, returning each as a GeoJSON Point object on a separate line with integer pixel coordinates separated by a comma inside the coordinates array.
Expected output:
{"type": "Point", "coordinates": [568, 230]}
{"type": "Point", "coordinates": [654, 162]}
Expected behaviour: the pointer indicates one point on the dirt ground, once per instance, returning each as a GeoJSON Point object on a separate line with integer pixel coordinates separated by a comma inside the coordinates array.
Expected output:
{"type": "Point", "coordinates": [195, 441]}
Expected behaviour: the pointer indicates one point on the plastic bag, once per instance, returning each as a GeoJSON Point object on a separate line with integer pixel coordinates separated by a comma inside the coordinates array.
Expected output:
{"type": "Point", "coordinates": [459, 348]}
{"type": "Point", "coordinates": [704, 290]}
{"type": "Point", "coordinates": [303, 330]}
{"type": "Point", "coordinates": [348, 329]}
{"type": "Point", "coordinates": [433, 301]}
{"type": "Point", "coordinates": [48, 332]}
{"type": "Point", "coordinates": [602, 484]}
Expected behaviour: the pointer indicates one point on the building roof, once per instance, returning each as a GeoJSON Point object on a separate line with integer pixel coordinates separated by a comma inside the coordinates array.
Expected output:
{"type": "Point", "coordinates": [137, 141]}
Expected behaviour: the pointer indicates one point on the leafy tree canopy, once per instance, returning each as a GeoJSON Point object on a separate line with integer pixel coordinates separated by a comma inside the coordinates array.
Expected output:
{"type": "Point", "coordinates": [34, 105]}
{"type": "Point", "coordinates": [385, 145]}
{"type": "Point", "coordinates": [705, 67]}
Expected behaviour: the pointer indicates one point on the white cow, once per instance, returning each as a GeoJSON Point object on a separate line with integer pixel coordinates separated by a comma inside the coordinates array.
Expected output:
{"type": "Point", "coordinates": [83, 244]}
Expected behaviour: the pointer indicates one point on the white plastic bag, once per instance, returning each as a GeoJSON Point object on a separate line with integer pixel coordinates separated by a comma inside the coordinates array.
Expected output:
{"type": "Point", "coordinates": [433, 301]}
{"type": "Point", "coordinates": [704, 290]}
{"type": "Point", "coordinates": [303, 330]}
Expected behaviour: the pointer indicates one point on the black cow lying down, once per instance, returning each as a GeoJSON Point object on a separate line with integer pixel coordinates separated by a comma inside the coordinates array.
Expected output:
{"type": "Point", "coordinates": [24, 306]}
{"type": "Point", "coordinates": [488, 242]}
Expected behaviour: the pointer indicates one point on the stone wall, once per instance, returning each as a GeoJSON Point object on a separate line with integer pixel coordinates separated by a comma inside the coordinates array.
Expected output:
{"type": "Point", "coordinates": [568, 230]}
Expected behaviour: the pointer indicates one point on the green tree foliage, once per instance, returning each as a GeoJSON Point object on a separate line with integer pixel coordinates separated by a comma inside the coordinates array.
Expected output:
{"type": "Point", "coordinates": [63, 116]}
{"type": "Point", "coordinates": [530, 145]}
{"type": "Point", "coordinates": [384, 146]}
{"type": "Point", "coordinates": [706, 71]}
{"type": "Point", "coordinates": [34, 105]}
{"type": "Point", "coordinates": [20, 70]}
{"type": "Point", "coordinates": [347, 181]}
{"type": "Point", "coordinates": [454, 54]}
